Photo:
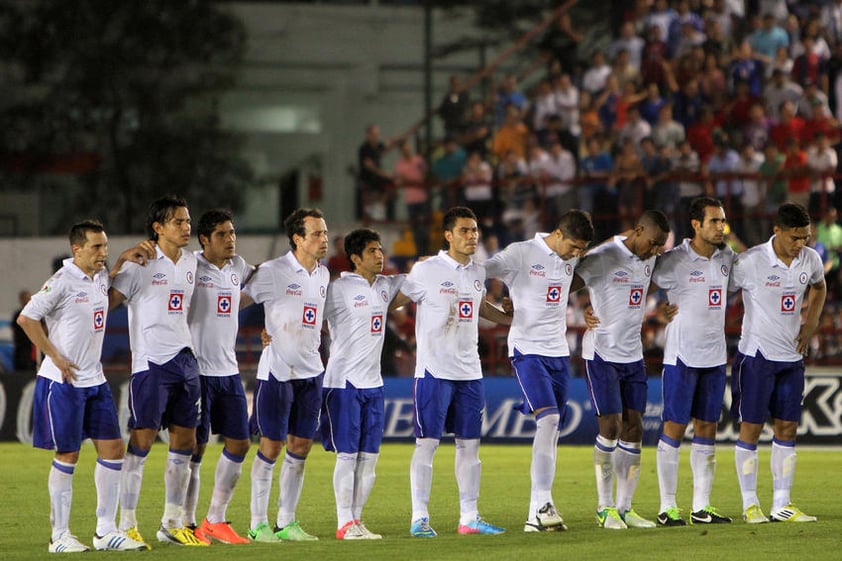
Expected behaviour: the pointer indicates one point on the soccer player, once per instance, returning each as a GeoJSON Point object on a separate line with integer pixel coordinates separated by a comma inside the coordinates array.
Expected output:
{"type": "Point", "coordinates": [539, 273]}
{"type": "Point", "coordinates": [449, 290]}
{"type": "Point", "coordinates": [768, 371]}
{"type": "Point", "coordinates": [353, 409]}
{"type": "Point", "coordinates": [72, 399]}
{"type": "Point", "coordinates": [213, 324]}
{"type": "Point", "coordinates": [288, 394]}
{"type": "Point", "coordinates": [617, 274]}
{"type": "Point", "coordinates": [695, 276]}
{"type": "Point", "coordinates": [164, 389]}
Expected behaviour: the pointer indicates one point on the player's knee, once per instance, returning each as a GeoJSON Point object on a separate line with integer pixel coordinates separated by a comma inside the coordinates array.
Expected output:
{"type": "Point", "coordinates": [704, 429]}
{"type": "Point", "coordinates": [237, 447]}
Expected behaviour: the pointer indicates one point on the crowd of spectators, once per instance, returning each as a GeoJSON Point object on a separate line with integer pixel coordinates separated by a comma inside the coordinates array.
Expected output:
{"type": "Point", "coordinates": [730, 98]}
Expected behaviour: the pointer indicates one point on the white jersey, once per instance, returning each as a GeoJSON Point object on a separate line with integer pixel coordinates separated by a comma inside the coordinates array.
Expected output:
{"type": "Point", "coordinates": [772, 296]}
{"type": "Point", "coordinates": [539, 283]}
{"type": "Point", "coordinates": [74, 306]}
{"type": "Point", "coordinates": [699, 287]}
{"type": "Point", "coordinates": [158, 297]}
{"type": "Point", "coordinates": [449, 296]}
{"type": "Point", "coordinates": [294, 305]}
{"type": "Point", "coordinates": [213, 315]}
{"type": "Point", "coordinates": [356, 316]}
{"type": "Point", "coordinates": [618, 282]}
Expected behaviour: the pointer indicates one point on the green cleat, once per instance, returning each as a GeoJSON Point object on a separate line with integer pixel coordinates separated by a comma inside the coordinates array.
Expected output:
{"type": "Point", "coordinates": [292, 532]}
{"type": "Point", "coordinates": [263, 533]}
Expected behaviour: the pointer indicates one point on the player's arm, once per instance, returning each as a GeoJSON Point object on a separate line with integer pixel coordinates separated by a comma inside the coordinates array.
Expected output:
{"type": "Point", "coordinates": [141, 254]}
{"type": "Point", "coordinates": [245, 298]}
{"type": "Point", "coordinates": [400, 300]}
{"type": "Point", "coordinates": [815, 303]}
{"type": "Point", "coordinates": [34, 329]}
{"type": "Point", "coordinates": [489, 311]}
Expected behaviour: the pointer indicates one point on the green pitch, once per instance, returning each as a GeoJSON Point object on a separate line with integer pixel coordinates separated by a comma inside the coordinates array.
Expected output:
{"type": "Point", "coordinates": [24, 514]}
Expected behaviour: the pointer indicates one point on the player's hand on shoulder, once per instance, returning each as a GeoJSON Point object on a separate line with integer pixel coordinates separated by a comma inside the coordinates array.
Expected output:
{"type": "Point", "coordinates": [141, 254]}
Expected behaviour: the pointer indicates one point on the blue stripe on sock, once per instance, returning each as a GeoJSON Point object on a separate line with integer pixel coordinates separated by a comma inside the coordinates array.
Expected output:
{"type": "Point", "coordinates": [63, 467]}
{"type": "Point", "coordinates": [629, 449]}
{"type": "Point", "coordinates": [746, 445]}
{"type": "Point", "coordinates": [115, 465]}
{"type": "Point", "coordinates": [670, 441]}
{"type": "Point", "coordinates": [233, 457]}
{"type": "Point", "coordinates": [296, 456]}
{"type": "Point", "coordinates": [181, 452]}
{"type": "Point", "coordinates": [135, 451]}
{"type": "Point", "coordinates": [786, 443]}
{"type": "Point", "coordinates": [704, 441]}
{"type": "Point", "coordinates": [545, 412]}
{"type": "Point", "coordinates": [264, 458]}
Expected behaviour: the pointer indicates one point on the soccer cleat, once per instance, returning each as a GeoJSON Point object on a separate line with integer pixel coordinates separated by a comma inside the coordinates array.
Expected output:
{"type": "Point", "coordinates": [219, 531]}
{"type": "Point", "coordinates": [708, 515]}
{"type": "Point", "coordinates": [366, 533]}
{"type": "Point", "coordinates": [263, 533]}
{"type": "Point", "coordinates": [349, 531]}
{"type": "Point", "coordinates": [609, 518]}
{"type": "Point", "coordinates": [420, 528]}
{"type": "Point", "coordinates": [134, 534]}
{"type": "Point", "coordinates": [293, 532]}
{"type": "Point", "coordinates": [791, 513]}
{"type": "Point", "coordinates": [671, 517]}
{"type": "Point", "coordinates": [117, 541]}
{"type": "Point", "coordinates": [547, 519]}
{"type": "Point", "coordinates": [199, 536]}
{"type": "Point", "coordinates": [179, 536]}
{"type": "Point", "coordinates": [67, 543]}
{"type": "Point", "coordinates": [479, 526]}
{"type": "Point", "coordinates": [634, 520]}
{"type": "Point", "coordinates": [753, 515]}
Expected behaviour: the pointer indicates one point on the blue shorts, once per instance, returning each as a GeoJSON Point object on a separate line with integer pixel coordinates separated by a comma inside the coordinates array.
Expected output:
{"type": "Point", "coordinates": [447, 406]}
{"type": "Point", "coordinates": [761, 387]}
{"type": "Point", "coordinates": [352, 419]}
{"type": "Point", "coordinates": [543, 381]}
{"type": "Point", "coordinates": [616, 386]}
{"type": "Point", "coordinates": [224, 408]}
{"type": "Point", "coordinates": [64, 415]}
{"type": "Point", "coordinates": [166, 394]}
{"type": "Point", "coordinates": [286, 408]}
{"type": "Point", "coordinates": [692, 393]}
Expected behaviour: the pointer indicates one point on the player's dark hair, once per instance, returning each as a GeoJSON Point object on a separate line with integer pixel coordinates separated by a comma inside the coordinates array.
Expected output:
{"type": "Point", "coordinates": [792, 215]}
{"type": "Point", "coordinates": [657, 218]}
{"type": "Point", "coordinates": [294, 223]}
{"type": "Point", "coordinates": [450, 217]}
{"type": "Point", "coordinates": [357, 241]}
{"type": "Point", "coordinates": [576, 224]}
{"type": "Point", "coordinates": [210, 220]}
{"type": "Point", "coordinates": [79, 232]}
{"type": "Point", "coordinates": [161, 211]}
{"type": "Point", "coordinates": [698, 206]}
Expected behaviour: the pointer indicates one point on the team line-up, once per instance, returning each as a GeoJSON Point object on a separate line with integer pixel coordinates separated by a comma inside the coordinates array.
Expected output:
{"type": "Point", "coordinates": [183, 322]}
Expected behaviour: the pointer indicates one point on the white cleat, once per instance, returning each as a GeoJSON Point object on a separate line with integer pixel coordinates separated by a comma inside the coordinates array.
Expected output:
{"type": "Point", "coordinates": [547, 519]}
{"type": "Point", "coordinates": [117, 541]}
{"type": "Point", "coordinates": [67, 543]}
{"type": "Point", "coordinates": [634, 520]}
{"type": "Point", "coordinates": [366, 533]}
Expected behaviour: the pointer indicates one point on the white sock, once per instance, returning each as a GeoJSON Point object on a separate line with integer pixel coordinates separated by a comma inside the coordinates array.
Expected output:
{"type": "Point", "coordinates": [60, 485]}
{"type": "Point", "coordinates": [343, 487]}
{"type": "Point", "coordinates": [130, 483]}
{"type": "Point", "coordinates": [107, 482]}
{"type": "Point", "coordinates": [291, 483]}
{"type": "Point", "coordinates": [783, 471]}
{"type": "Point", "coordinates": [703, 464]}
{"type": "Point", "coordinates": [176, 478]}
{"type": "Point", "coordinates": [364, 477]}
{"type": "Point", "coordinates": [627, 470]}
{"type": "Point", "coordinates": [421, 475]}
{"type": "Point", "coordinates": [261, 486]}
{"type": "Point", "coordinates": [191, 497]}
{"type": "Point", "coordinates": [603, 460]}
{"type": "Point", "coordinates": [745, 456]}
{"type": "Point", "coordinates": [468, 472]}
{"type": "Point", "coordinates": [228, 471]}
{"type": "Point", "coordinates": [542, 470]}
{"type": "Point", "coordinates": [668, 456]}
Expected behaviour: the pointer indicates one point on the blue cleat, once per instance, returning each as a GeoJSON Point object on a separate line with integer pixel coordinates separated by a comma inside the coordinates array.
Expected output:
{"type": "Point", "coordinates": [421, 528]}
{"type": "Point", "coordinates": [479, 526]}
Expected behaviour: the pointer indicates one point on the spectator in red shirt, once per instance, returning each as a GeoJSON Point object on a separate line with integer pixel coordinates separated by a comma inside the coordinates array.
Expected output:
{"type": "Point", "coordinates": [788, 127]}
{"type": "Point", "coordinates": [700, 133]}
{"type": "Point", "coordinates": [795, 168]}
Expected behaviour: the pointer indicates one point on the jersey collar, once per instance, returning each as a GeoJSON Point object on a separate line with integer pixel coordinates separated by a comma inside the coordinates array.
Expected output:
{"type": "Point", "coordinates": [453, 263]}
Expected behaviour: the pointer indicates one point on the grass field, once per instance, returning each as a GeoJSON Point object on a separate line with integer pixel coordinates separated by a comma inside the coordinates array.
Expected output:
{"type": "Point", "coordinates": [24, 514]}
